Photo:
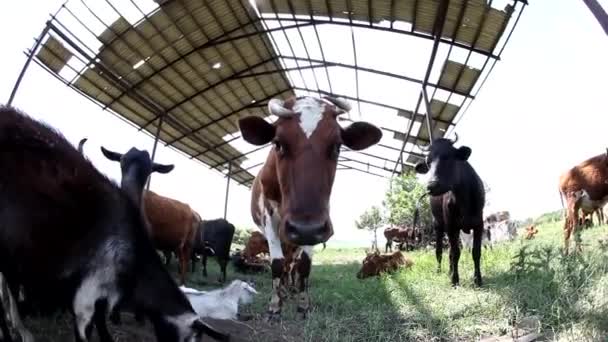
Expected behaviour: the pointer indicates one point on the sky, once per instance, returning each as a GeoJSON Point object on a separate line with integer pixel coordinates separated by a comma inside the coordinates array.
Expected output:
{"type": "Point", "coordinates": [540, 112]}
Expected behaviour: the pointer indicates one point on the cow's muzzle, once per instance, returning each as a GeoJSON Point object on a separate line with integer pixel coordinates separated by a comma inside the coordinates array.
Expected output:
{"type": "Point", "coordinates": [307, 234]}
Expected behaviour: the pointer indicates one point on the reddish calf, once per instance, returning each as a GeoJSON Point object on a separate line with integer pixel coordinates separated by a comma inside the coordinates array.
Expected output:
{"type": "Point", "coordinates": [375, 263]}
{"type": "Point", "coordinates": [584, 185]}
{"type": "Point", "coordinates": [531, 231]}
{"type": "Point", "coordinates": [402, 235]}
{"type": "Point", "coordinates": [255, 245]}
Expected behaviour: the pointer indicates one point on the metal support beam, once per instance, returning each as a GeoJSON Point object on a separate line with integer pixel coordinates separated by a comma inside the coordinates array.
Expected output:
{"type": "Point", "coordinates": [437, 31]}
{"type": "Point", "coordinates": [27, 63]}
{"type": "Point", "coordinates": [429, 113]}
{"type": "Point", "coordinates": [227, 189]}
{"type": "Point", "coordinates": [158, 129]}
{"type": "Point", "coordinates": [598, 12]}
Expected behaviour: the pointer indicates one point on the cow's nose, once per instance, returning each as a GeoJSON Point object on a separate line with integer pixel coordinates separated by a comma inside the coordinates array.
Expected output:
{"type": "Point", "coordinates": [309, 234]}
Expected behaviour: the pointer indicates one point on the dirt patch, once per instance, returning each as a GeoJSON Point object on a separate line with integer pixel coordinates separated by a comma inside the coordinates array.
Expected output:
{"type": "Point", "coordinates": [59, 328]}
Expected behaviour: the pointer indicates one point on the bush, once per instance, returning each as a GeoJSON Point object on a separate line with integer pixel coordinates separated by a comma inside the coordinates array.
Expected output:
{"type": "Point", "coordinates": [241, 235]}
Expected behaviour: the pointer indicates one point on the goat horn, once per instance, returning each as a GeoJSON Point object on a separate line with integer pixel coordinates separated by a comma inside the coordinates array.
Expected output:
{"type": "Point", "coordinates": [275, 107]}
{"type": "Point", "coordinates": [455, 138]}
{"type": "Point", "coordinates": [81, 143]}
{"type": "Point", "coordinates": [339, 102]}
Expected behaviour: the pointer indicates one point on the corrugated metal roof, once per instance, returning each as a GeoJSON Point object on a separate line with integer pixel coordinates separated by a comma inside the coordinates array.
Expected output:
{"type": "Point", "coordinates": [202, 65]}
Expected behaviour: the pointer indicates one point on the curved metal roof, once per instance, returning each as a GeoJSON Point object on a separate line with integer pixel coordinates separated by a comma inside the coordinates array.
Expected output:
{"type": "Point", "coordinates": [196, 67]}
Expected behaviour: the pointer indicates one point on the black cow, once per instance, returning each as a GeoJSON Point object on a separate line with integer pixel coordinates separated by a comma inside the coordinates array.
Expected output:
{"type": "Point", "coordinates": [213, 238]}
{"type": "Point", "coordinates": [457, 200]}
{"type": "Point", "coordinates": [74, 239]}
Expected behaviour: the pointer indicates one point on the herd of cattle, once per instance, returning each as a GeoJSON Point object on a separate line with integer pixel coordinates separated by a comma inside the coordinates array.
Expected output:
{"type": "Point", "coordinates": [72, 239]}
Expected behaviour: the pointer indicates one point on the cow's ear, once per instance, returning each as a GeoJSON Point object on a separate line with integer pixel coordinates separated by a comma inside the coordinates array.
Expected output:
{"type": "Point", "coordinates": [421, 168]}
{"type": "Point", "coordinates": [360, 135]}
{"type": "Point", "coordinates": [256, 130]}
{"type": "Point", "coordinates": [463, 153]}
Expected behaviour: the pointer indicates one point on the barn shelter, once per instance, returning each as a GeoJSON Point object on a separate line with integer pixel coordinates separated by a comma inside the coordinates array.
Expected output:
{"type": "Point", "coordinates": [185, 71]}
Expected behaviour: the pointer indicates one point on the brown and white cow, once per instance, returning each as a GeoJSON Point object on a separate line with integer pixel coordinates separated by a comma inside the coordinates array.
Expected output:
{"type": "Point", "coordinates": [587, 181]}
{"type": "Point", "coordinates": [290, 195]}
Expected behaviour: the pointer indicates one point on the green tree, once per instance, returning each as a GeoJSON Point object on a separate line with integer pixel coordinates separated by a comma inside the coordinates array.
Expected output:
{"type": "Point", "coordinates": [400, 203]}
{"type": "Point", "coordinates": [371, 220]}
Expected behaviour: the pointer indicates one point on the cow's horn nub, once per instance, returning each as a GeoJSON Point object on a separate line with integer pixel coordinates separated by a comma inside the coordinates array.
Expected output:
{"type": "Point", "coordinates": [339, 102]}
{"type": "Point", "coordinates": [275, 107]}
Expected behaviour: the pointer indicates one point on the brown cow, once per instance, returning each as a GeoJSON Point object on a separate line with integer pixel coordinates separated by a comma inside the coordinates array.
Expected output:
{"type": "Point", "coordinates": [588, 179]}
{"type": "Point", "coordinates": [255, 245]}
{"type": "Point", "coordinates": [172, 225]}
{"type": "Point", "coordinates": [531, 231]}
{"type": "Point", "coordinates": [290, 195]}
{"type": "Point", "coordinates": [402, 235]}
{"type": "Point", "coordinates": [375, 263]}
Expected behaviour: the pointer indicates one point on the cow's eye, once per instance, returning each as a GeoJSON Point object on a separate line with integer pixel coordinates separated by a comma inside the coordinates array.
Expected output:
{"type": "Point", "coordinates": [334, 151]}
{"type": "Point", "coordinates": [279, 147]}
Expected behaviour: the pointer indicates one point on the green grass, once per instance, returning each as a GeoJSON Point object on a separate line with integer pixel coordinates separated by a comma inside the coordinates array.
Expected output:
{"type": "Point", "coordinates": [521, 278]}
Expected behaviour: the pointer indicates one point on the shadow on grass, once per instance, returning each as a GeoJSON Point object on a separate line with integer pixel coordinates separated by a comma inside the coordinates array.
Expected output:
{"type": "Point", "coordinates": [344, 309]}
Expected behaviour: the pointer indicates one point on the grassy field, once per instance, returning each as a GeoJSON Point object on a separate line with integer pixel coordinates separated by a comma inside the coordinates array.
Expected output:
{"type": "Point", "coordinates": [569, 295]}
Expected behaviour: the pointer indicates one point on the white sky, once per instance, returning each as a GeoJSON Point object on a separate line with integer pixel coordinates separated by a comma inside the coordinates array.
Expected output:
{"type": "Point", "coordinates": [541, 110]}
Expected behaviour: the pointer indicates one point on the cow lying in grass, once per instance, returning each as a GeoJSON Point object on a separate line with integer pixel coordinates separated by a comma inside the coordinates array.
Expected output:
{"type": "Point", "coordinates": [256, 244]}
{"type": "Point", "coordinates": [375, 263]}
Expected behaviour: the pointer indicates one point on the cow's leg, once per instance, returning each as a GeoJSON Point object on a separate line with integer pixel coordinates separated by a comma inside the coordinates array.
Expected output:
{"type": "Point", "coordinates": [99, 317]}
{"type": "Point", "coordinates": [388, 246]}
{"type": "Point", "coordinates": [222, 262]}
{"type": "Point", "coordinates": [438, 247]}
{"type": "Point", "coordinates": [454, 238]}
{"type": "Point", "coordinates": [571, 221]}
{"type": "Point", "coordinates": [277, 262]}
{"type": "Point", "coordinates": [477, 236]}
{"type": "Point", "coordinates": [184, 257]}
{"type": "Point", "coordinates": [303, 273]}
{"type": "Point", "coordinates": [167, 255]}
{"type": "Point", "coordinates": [204, 262]}
{"type": "Point", "coordinates": [193, 261]}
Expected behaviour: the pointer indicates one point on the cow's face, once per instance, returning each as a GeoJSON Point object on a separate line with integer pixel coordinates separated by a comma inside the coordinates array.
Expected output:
{"type": "Point", "coordinates": [442, 166]}
{"type": "Point", "coordinates": [370, 266]}
{"type": "Point", "coordinates": [306, 142]}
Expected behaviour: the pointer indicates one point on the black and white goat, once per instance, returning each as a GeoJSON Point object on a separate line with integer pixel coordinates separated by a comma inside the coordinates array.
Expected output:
{"type": "Point", "coordinates": [74, 239]}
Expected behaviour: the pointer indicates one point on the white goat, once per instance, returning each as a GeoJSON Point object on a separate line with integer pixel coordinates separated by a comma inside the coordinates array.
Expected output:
{"type": "Point", "coordinates": [221, 303]}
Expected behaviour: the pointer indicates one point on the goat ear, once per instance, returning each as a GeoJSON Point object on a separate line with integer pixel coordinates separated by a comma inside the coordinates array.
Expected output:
{"type": "Point", "coordinates": [115, 156]}
{"type": "Point", "coordinates": [162, 168]}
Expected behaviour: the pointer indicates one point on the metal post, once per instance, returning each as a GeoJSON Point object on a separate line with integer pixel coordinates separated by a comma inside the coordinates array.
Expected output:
{"type": "Point", "coordinates": [27, 62]}
{"type": "Point", "coordinates": [227, 189]}
{"type": "Point", "coordinates": [598, 12]}
{"type": "Point", "coordinates": [158, 128]}
{"type": "Point", "coordinates": [428, 113]}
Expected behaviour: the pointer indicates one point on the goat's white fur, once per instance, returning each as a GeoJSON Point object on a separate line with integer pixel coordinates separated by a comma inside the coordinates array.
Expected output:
{"type": "Point", "coordinates": [221, 303]}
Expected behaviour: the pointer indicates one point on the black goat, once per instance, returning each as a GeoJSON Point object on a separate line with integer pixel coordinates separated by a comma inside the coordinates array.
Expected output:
{"type": "Point", "coordinates": [75, 240]}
